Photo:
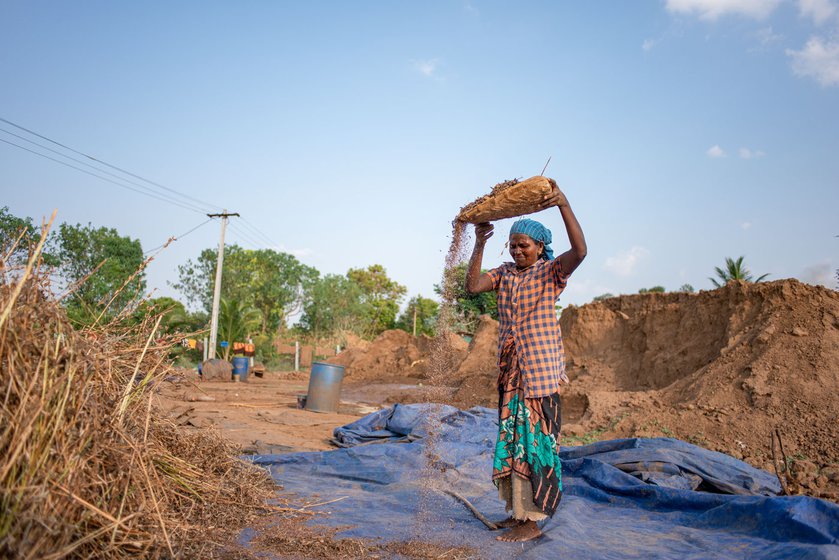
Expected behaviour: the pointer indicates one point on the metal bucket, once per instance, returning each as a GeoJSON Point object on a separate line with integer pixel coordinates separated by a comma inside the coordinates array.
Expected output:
{"type": "Point", "coordinates": [324, 387]}
{"type": "Point", "coordinates": [240, 368]}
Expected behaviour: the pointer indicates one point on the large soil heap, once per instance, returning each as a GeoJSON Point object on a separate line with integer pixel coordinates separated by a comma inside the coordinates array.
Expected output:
{"type": "Point", "coordinates": [394, 356]}
{"type": "Point", "coordinates": [719, 368]}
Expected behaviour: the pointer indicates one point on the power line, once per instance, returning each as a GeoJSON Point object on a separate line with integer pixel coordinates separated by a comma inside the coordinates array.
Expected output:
{"type": "Point", "coordinates": [101, 177]}
{"type": "Point", "coordinates": [252, 227]}
{"type": "Point", "coordinates": [179, 237]}
{"type": "Point", "coordinates": [246, 237]}
{"type": "Point", "coordinates": [249, 232]}
{"type": "Point", "coordinates": [140, 177]}
{"type": "Point", "coordinates": [114, 175]}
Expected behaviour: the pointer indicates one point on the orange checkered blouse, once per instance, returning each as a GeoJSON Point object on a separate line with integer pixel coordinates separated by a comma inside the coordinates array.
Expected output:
{"type": "Point", "coordinates": [527, 312]}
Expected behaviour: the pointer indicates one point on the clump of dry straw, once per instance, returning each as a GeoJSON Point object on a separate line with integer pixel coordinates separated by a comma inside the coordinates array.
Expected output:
{"type": "Point", "coordinates": [87, 469]}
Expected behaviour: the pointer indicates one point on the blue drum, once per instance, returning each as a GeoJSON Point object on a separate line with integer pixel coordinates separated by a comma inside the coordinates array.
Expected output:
{"type": "Point", "coordinates": [240, 368]}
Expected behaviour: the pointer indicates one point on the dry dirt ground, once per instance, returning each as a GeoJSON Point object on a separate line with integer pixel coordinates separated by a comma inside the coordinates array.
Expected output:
{"type": "Point", "coordinates": [260, 414]}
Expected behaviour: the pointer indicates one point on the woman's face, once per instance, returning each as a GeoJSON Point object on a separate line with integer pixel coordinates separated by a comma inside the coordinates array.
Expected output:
{"type": "Point", "coordinates": [524, 250]}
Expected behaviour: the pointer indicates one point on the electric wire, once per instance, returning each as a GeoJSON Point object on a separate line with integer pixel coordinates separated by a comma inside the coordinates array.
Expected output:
{"type": "Point", "coordinates": [176, 203]}
{"type": "Point", "coordinates": [140, 177]}
{"type": "Point", "coordinates": [245, 237]}
{"type": "Point", "coordinates": [114, 175]}
{"type": "Point", "coordinates": [252, 227]}
{"type": "Point", "coordinates": [179, 237]}
{"type": "Point", "coordinates": [252, 231]}
{"type": "Point", "coordinates": [238, 231]}
{"type": "Point", "coordinates": [247, 231]}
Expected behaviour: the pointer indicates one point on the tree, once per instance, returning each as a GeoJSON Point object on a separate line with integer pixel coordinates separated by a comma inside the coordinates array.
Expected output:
{"type": "Point", "coordinates": [468, 307]}
{"type": "Point", "coordinates": [236, 322]}
{"type": "Point", "coordinates": [380, 296]}
{"type": "Point", "coordinates": [333, 304]}
{"type": "Point", "coordinates": [276, 285]}
{"type": "Point", "coordinates": [734, 270]}
{"type": "Point", "coordinates": [196, 278]}
{"type": "Point", "coordinates": [653, 290]}
{"type": "Point", "coordinates": [176, 318]}
{"type": "Point", "coordinates": [13, 228]}
{"type": "Point", "coordinates": [426, 316]}
{"type": "Point", "coordinates": [601, 297]}
{"type": "Point", "coordinates": [102, 268]}
{"type": "Point", "coordinates": [687, 288]}
{"type": "Point", "coordinates": [271, 282]}
{"type": "Point", "coordinates": [175, 321]}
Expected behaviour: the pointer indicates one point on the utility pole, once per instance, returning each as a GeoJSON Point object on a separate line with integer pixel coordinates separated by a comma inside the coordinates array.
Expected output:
{"type": "Point", "coordinates": [217, 288]}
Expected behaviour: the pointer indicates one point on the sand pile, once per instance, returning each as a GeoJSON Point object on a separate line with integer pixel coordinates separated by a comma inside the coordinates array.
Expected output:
{"type": "Point", "coordinates": [394, 356]}
{"type": "Point", "coordinates": [476, 377]}
{"type": "Point", "coordinates": [719, 368]}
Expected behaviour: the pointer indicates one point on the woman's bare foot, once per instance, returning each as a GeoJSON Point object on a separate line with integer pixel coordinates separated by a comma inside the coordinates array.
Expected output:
{"type": "Point", "coordinates": [525, 531]}
{"type": "Point", "coordinates": [508, 523]}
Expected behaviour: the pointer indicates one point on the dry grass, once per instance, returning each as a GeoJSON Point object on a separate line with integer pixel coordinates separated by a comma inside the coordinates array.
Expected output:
{"type": "Point", "coordinates": [87, 470]}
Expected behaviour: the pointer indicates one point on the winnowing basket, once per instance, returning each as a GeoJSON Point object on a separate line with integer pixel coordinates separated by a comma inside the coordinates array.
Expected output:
{"type": "Point", "coordinates": [507, 200]}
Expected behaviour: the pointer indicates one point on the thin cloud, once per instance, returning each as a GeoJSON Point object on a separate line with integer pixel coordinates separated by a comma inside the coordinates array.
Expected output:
{"type": "Point", "coordinates": [746, 225]}
{"type": "Point", "coordinates": [427, 68]}
{"type": "Point", "coordinates": [587, 289]}
{"type": "Point", "coordinates": [714, 9]}
{"type": "Point", "coordinates": [299, 253]}
{"type": "Point", "coordinates": [818, 274]}
{"type": "Point", "coordinates": [819, 59]}
{"type": "Point", "coordinates": [648, 45]}
{"type": "Point", "coordinates": [767, 36]}
{"type": "Point", "coordinates": [715, 152]}
{"type": "Point", "coordinates": [747, 153]}
{"type": "Point", "coordinates": [624, 264]}
{"type": "Point", "coordinates": [819, 11]}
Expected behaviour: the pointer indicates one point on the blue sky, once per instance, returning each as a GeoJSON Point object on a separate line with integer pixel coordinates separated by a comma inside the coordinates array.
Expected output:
{"type": "Point", "coordinates": [350, 133]}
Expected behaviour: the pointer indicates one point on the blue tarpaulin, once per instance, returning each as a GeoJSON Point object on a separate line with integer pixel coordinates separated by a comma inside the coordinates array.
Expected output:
{"type": "Point", "coordinates": [628, 498]}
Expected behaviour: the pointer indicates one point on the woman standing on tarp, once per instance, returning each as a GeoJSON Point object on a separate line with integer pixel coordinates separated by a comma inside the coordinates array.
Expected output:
{"type": "Point", "coordinates": [526, 469]}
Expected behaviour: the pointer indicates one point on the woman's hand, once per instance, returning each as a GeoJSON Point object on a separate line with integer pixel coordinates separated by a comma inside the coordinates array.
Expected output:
{"type": "Point", "coordinates": [476, 282]}
{"type": "Point", "coordinates": [483, 231]}
{"type": "Point", "coordinates": [555, 198]}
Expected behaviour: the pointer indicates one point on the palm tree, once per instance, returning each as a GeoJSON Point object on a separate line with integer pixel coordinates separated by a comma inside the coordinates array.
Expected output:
{"type": "Point", "coordinates": [734, 270]}
{"type": "Point", "coordinates": [236, 322]}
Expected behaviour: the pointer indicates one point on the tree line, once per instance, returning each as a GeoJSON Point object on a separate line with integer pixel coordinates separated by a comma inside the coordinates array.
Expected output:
{"type": "Point", "coordinates": [264, 293]}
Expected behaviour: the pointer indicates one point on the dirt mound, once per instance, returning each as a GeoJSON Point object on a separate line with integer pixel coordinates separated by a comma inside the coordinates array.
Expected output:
{"type": "Point", "coordinates": [720, 368]}
{"type": "Point", "coordinates": [393, 356]}
{"type": "Point", "coordinates": [217, 370]}
{"type": "Point", "coordinates": [477, 375]}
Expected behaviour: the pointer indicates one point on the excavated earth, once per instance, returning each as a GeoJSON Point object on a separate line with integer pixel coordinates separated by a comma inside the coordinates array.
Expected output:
{"type": "Point", "coordinates": [721, 369]}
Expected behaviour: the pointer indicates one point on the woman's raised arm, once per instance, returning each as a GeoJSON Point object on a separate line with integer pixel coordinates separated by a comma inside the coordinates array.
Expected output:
{"type": "Point", "coordinates": [476, 282]}
{"type": "Point", "coordinates": [570, 259]}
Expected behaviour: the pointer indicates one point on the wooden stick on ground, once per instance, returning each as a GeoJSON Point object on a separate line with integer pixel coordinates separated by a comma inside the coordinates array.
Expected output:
{"type": "Point", "coordinates": [782, 479]}
{"type": "Point", "coordinates": [490, 525]}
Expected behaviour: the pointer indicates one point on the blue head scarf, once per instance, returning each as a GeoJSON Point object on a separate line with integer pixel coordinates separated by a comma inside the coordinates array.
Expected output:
{"type": "Point", "coordinates": [536, 232]}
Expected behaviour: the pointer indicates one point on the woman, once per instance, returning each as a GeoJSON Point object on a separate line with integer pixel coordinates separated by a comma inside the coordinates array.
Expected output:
{"type": "Point", "coordinates": [526, 469]}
